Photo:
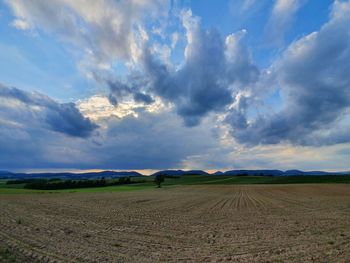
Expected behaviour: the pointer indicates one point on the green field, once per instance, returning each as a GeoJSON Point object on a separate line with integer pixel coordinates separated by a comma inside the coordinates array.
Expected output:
{"type": "Point", "coordinates": [197, 180]}
{"type": "Point", "coordinates": [18, 189]}
{"type": "Point", "coordinates": [186, 180]}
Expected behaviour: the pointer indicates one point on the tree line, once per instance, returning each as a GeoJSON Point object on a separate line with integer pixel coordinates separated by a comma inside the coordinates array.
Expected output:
{"type": "Point", "coordinates": [71, 184]}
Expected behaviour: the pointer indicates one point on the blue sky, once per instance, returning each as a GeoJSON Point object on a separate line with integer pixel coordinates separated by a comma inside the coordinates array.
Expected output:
{"type": "Point", "coordinates": [153, 84]}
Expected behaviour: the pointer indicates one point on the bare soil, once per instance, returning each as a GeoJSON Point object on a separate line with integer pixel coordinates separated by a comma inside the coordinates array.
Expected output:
{"type": "Point", "coordinates": [253, 223]}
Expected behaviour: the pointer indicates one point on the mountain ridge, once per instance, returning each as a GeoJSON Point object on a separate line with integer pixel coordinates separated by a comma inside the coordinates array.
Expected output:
{"type": "Point", "coordinates": [69, 175]}
{"type": "Point", "coordinates": [169, 172]}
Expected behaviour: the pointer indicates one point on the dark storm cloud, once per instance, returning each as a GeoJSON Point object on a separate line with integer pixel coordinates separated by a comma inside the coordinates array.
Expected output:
{"type": "Point", "coordinates": [59, 117]}
{"type": "Point", "coordinates": [315, 81]}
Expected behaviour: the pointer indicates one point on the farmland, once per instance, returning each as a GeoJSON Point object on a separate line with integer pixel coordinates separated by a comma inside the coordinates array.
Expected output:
{"type": "Point", "coordinates": [186, 180]}
{"type": "Point", "coordinates": [184, 222]}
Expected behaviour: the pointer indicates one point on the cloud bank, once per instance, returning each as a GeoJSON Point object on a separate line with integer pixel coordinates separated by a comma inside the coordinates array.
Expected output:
{"type": "Point", "coordinates": [38, 132]}
{"type": "Point", "coordinates": [215, 102]}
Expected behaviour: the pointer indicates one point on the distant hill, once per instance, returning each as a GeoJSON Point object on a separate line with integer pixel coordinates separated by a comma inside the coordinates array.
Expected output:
{"type": "Point", "coordinates": [255, 172]}
{"type": "Point", "coordinates": [195, 172]}
{"type": "Point", "coordinates": [174, 173]}
{"type": "Point", "coordinates": [181, 172]}
{"type": "Point", "coordinates": [312, 173]}
{"type": "Point", "coordinates": [293, 172]}
{"type": "Point", "coordinates": [279, 173]}
{"type": "Point", "coordinates": [90, 175]}
{"type": "Point", "coordinates": [5, 172]}
{"type": "Point", "coordinates": [218, 173]}
{"type": "Point", "coordinates": [114, 174]}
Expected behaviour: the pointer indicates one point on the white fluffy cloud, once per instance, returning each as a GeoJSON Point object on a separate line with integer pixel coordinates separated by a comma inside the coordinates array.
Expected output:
{"type": "Point", "coordinates": [104, 30]}
{"type": "Point", "coordinates": [315, 86]}
{"type": "Point", "coordinates": [99, 107]}
{"type": "Point", "coordinates": [280, 20]}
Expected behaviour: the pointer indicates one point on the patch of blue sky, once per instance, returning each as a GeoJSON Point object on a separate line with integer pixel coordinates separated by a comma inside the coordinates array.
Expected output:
{"type": "Point", "coordinates": [310, 18]}
{"type": "Point", "coordinates": [271, 104]}
{"type": "Point", "coordinates": [119, 68]}
{"type": "Point", "coordinates": [274, 101]}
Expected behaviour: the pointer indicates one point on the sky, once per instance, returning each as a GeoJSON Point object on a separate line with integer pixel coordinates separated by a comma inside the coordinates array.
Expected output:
{"type": "Point", "coordinates": [174, 84]}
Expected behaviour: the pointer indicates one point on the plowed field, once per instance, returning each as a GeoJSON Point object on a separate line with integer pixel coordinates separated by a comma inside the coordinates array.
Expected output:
{"type": "Point", "coordinates": [214, 223]}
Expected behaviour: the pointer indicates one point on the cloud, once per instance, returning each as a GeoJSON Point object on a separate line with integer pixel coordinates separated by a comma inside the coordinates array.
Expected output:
{"type": "Point", "coordinates": [31, 136]}
{"type": "Point", "coordinates": [247, 4]}
{"type": "Point", "coordinates": [109, 31]}
{"type": "Point", "coordinates": [100, 107]}
{"type": "Point", "coordinates": [280, 20]}
{"type": "Point", "coordinates": [314, 80]}
{"type": "Point", "coordinates": [104, 30]}
{"type": "Point", "coordinates": [139, 122]}
{"type": "Point", "coordinates": [154, 140]}
{"type": "Point", "coordinates": [141, 97]}
{"type": "Point", "coordinates": [244, 8]}
{"type": "Point", "coordinates": [59, 117]}
{"type": "Point", "coordinates": [246, 11]}
{"type": "Point", "coordinates": [289, 157]}
{"type": "Point", "coordinates": [20, 24]}
{"type": "Point", "coordinates": [212, 70]}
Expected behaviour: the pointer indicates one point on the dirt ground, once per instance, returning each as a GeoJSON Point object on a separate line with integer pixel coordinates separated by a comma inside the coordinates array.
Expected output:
{"type": "Point", "coordinates": [255, 223]}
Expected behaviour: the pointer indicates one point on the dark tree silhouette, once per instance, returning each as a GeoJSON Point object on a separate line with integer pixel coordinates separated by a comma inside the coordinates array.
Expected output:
{"type": "Point", "coordinates": [159, 179]}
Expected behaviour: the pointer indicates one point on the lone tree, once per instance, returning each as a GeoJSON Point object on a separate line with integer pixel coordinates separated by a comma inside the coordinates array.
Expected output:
{"type": "Point", "coordinates": [159, 179]}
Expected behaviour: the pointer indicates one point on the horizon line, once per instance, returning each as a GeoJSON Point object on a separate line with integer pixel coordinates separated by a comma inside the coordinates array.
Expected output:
{"type": "Point", "coordinates": [151, 171]}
